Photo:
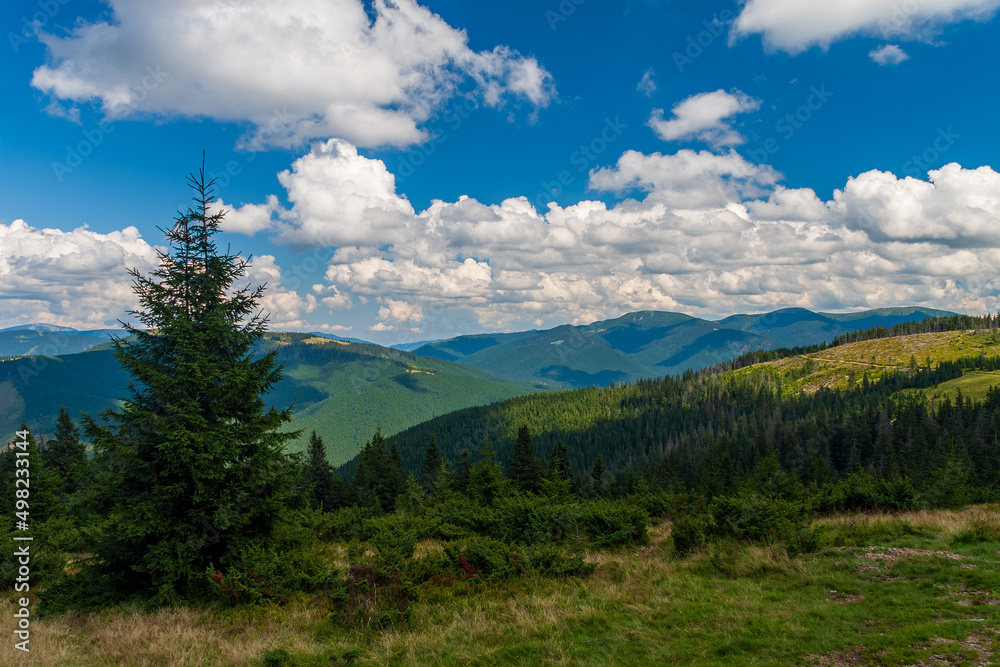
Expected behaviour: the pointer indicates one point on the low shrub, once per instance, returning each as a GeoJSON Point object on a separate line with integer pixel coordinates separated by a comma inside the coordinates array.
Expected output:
{"type": "Point", "coordinates": [260, 574]}
{"type": "Point", "coordinates": [614, 523]}
{"type": "Point", "coordinates": [549, 561]}
{"type": "Point", "coordinates": [690, 532]}
{"type": "Point", "coordinates": [862, 491]}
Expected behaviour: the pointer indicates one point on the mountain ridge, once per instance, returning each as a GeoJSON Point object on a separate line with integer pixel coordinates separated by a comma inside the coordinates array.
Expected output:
{"type": "Point", "coordinates": [647, 343]}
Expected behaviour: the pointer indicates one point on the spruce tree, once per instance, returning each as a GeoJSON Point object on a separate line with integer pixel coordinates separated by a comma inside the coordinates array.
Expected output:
{"type": "Point", "coordinates": [559, 466]}
{"type": "Point", "coordinates": [396, 474]}
{"type": "Point", "coordinates": [597, 473]}
{"type": "Point", "coordinates": [43, 501]}
{"type": "Point", "coordinates": [431, 465]}
{"type": "Point", "coordinates": [318, 475]}
{"type": "Point", "coordinates": [464, 472]}
{"type": "Point", "coordinates": [192, 466]}
{"type": "Point", "coordinates": [379, 477]}
{"type": "Point", "coordinates": [486, 480]}
{"type": "Point", "coordinates": [66, 455]}
{"type": "Point", "coordinates": [524, 469]}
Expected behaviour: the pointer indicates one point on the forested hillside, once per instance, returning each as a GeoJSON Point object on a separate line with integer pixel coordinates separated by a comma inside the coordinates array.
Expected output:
{"type": "Point", "coordinates": [824, 415]}
{"type": "Point", "coordinates": [341, 389]}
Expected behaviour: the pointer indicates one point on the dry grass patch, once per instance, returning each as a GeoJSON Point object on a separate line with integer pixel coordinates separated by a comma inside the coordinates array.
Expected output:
{"type": "Point", "coordinates": [948, 522]}
{"type": "Point", "coordinates": [181, 637]}
{"type": "Point", "coordinates": [425, 548]}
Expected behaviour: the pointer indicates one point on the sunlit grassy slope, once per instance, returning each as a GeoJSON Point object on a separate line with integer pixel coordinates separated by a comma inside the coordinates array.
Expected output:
{"type": "Point", "coordinates": [846, 365]}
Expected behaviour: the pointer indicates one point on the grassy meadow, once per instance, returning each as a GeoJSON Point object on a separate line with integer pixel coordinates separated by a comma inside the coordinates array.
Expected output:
{"type": "Point", "coordinates": [909, 588]}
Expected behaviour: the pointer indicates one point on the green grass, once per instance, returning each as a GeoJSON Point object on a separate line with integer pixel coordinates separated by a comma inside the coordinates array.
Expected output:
{"type": "Point", "coordinates": [906, 589]}
{"type": "Point", "coordinates": [973, 385]}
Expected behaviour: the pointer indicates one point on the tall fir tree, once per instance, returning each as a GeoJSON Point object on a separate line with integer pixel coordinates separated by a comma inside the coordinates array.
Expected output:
{"type": "Point", "coordinates": [464, 472]}
{"type": "Point", "coordinates": [434, 470]}
{"type": "Point", "coordinates": [318, 475]}
{"type": "Point", "coordinates": [432, 466]}
{"type": "Point", "coordinates": [597, 474]}
{"type": "Point", "coordinates": [379, 478]}
{"type": "Point", "coordinates": [525, 470]}
{"type": "Point", "coordinates": [559, 465]}
{"type": "Point", "coordinates": [486, 479]}
{"type": "Point", "coordinates": [66, 455]}
{"type": "Point", "coordinates": [39, 481]}
{"type": "Point", "coordinates": [192, 466]}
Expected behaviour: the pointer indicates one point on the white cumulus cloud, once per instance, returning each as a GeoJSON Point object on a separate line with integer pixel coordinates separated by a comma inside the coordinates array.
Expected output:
{"type": "Point", "coordinates": [296, 70]}
{"type": "Point", "coordinates": [77, 278]}
{"type": "Point", "coordinates": [698, 232]}
{"type": "Point", "coordinates": [889, 54]}
{"type": "Point", "coordinates": [704, 117]}
{"type": "Point", "coordinates": [796, 25]}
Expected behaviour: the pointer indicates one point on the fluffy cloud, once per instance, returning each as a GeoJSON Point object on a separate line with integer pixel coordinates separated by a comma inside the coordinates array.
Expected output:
{"type": "Point", "coordinates": [699, 232]}
{"type": "Point", "coordinates": [889, 54]}
{"type": "Point", "coordinates": [77, 278]}
{"type": "Point", "coordinates": [796, 25]}
{"type": "Point", "coordinates": [284, 307]}
{"type": "Point", "coordinates": [956, 207]}
{"type": "Point", "coordinates": [686, 179]}
{"type": "Point", "coordinates": [703, 117]}
{"type": "Point", "coordinates": [297, 70]}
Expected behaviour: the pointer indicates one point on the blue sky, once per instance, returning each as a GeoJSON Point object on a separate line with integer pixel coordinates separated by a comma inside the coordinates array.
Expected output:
{"type": "Point", "coordinates": [451, 167]}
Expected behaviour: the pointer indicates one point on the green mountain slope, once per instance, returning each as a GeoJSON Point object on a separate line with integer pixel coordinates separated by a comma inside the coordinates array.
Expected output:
{"type": "Point", "coordinates": [341, 389]}
{"type": "Point", "coordinates": [650, 344]}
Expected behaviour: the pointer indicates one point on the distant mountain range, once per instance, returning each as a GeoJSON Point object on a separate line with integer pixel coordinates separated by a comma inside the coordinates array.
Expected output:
{"type": "Point", "coordinates": [651, 344]}
{"type": "Point", "coordinates": [343, 390]}
{"type": "Point", "coordinates": [50, 339]}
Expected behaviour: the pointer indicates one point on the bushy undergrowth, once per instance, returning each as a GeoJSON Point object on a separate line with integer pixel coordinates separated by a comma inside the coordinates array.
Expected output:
{"type": "Point", "coordinates": [861, 491]}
